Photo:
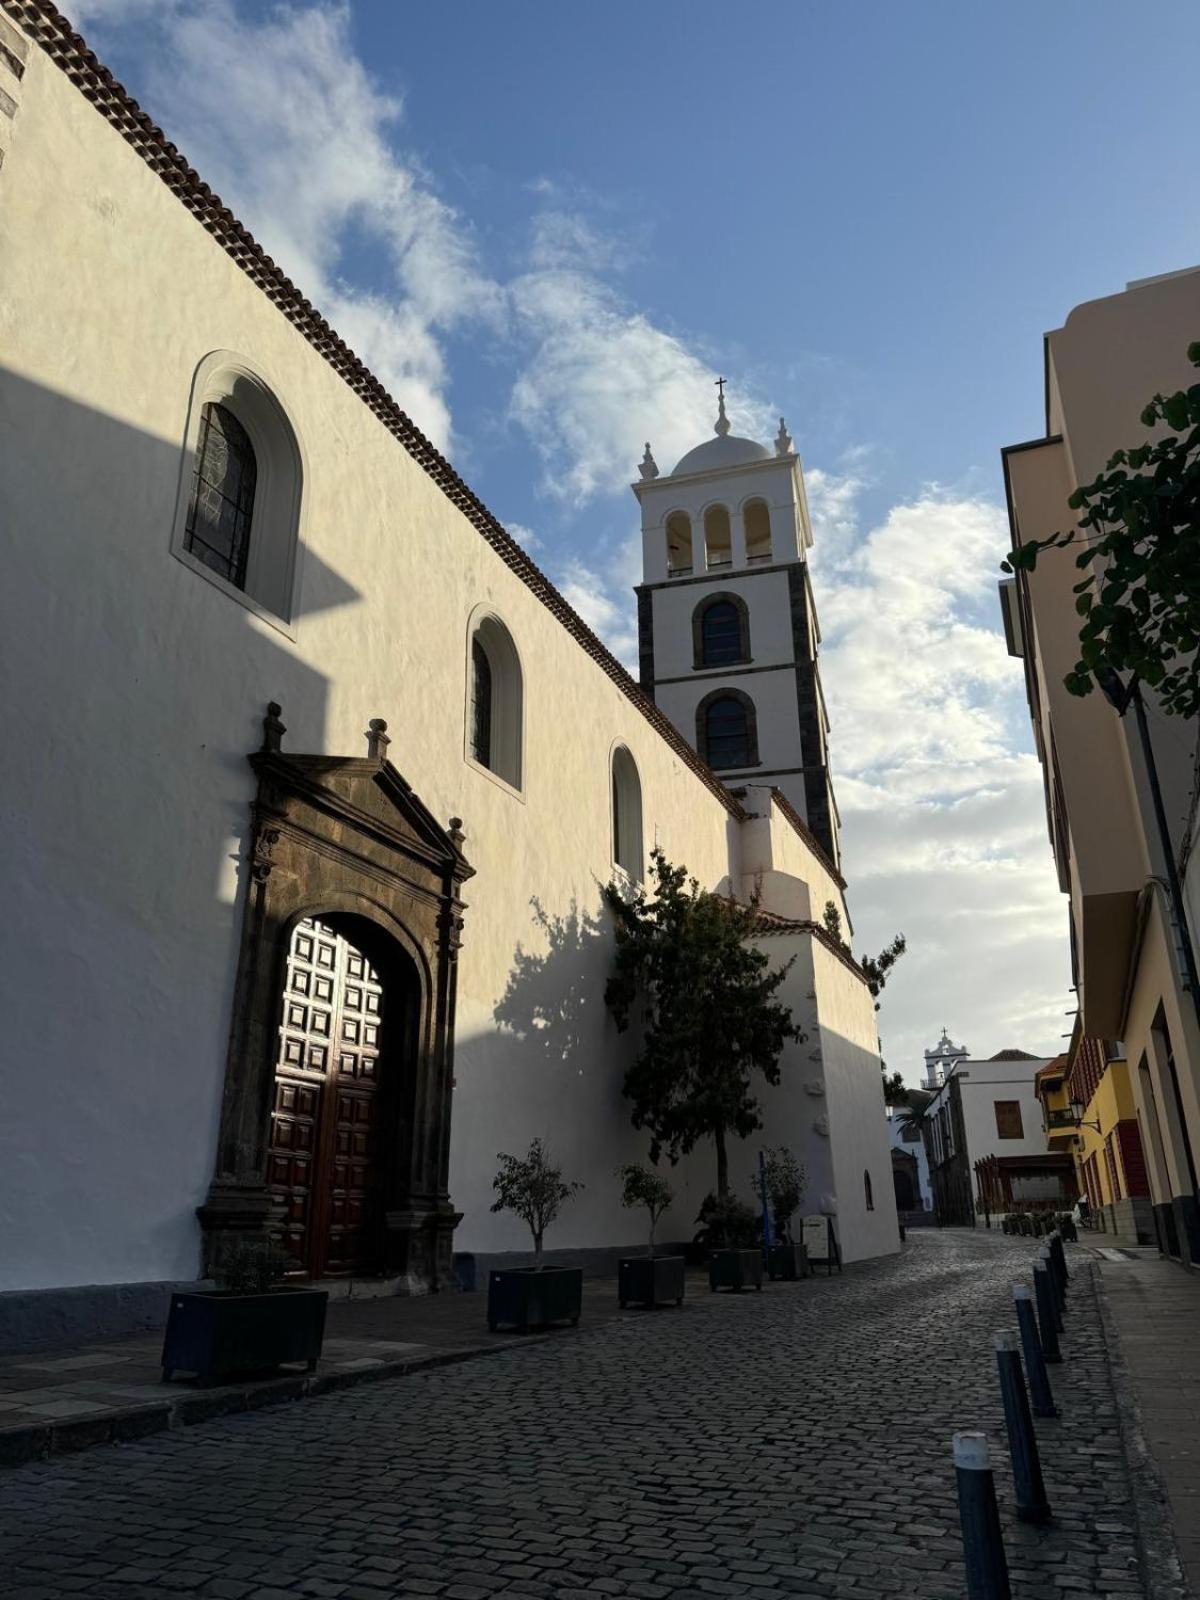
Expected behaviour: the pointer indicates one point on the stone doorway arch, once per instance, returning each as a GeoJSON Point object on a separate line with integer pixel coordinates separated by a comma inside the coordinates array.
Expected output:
{"type": "Point", "coordinates": [344, 842]}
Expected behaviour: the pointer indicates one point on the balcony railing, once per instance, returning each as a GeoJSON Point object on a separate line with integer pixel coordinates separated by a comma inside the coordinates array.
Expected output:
{"type": "Point", "coordinates": [719, 563]}
{"type": "Point", "coordinates": [679, 572]}
{"type": "Point", "coordinates": [758, 561]}
{"type": "Point", "coordinates": [1060, 1121]}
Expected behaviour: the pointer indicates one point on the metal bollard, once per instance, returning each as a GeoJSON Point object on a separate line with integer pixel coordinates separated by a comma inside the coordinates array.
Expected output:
{"type": "Point", "coordinates": [979, 1518]}
{"type": "Point", "coordinates": [1058, 1266]}
{"type": "Point", "coordinates": [1047, 1325]}
{"type": "Point", "coordinates": [1035, 1362]}
{"type": "Point", "coordinates": [1032, 1505]}
{"type": "Point", "coordinates": [1056, 1296]}
{"type": "Point", "coordinates": [1057, 1245]}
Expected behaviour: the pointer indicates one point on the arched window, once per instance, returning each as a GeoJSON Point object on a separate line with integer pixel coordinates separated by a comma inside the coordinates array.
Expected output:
{"type": "Point", "coordinates": [627, 846]}
{"type": "Point", "coordinates": [481, 704]}
{"type": "Point", "coordinates": [726, 730]}
{"type": "Point", "coordinates": [237, 517]}
{"type": "Point", "coordinates": [718, 538]}
{"type": "Point", "coordinates": [720, 631]}
{"type": "Point", "coordinates": [217, 531]}
{"type": "Point", "coordinates": [756, 520]}
{"type": "Point", "coordinates": [679, 544]}
{"type": "Point", "coordinates": [495, 701]}
{"type": "Point", "coordinates": [870, 1195]}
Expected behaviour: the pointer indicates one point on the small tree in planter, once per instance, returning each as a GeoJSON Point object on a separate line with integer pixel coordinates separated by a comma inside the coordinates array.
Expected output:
{"type": "Point", "coordinates": [648, 1278]}
{"type": "Point", "coordinates": [251, 1321]}
{"type": "Point", "coordinates": [687, 971]}
{"type": "Point", "coordinates": [785, 1190]}
{"type": "Point", "coordinates": [533, 1188]}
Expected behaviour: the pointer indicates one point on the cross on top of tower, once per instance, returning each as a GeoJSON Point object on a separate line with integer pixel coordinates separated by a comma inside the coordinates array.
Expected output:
{"type": "Point", "coordinates": [722, 427]}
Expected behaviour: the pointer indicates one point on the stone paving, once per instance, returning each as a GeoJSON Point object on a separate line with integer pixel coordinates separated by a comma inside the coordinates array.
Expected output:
{"type": "Point", "coordinates": [57, 1400]}
{"type": "Point", "coordinates": [1155, 1307]}
{"type": "Point", "coordinates": [789, 1443]}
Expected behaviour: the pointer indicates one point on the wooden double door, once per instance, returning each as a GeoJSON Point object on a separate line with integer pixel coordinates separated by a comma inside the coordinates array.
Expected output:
{"type": "Point", "coordinates": [328, 1142]}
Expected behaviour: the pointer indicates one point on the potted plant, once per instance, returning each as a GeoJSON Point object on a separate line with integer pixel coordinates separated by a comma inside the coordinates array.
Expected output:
{"type": "Point", "coordinates": [251, 1322]}
{"type": "Point", "coordinates": [786, 1258]}
{"type": "Point", "coordinates": [533, 1188]}
{"type": "Point", "coordinates": [729, 1230]}
{"type": "Point", "coordinates": [649, 1278]}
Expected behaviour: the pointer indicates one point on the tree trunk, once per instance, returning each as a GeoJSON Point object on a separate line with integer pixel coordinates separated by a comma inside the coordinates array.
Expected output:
{"type": "Point", "coordinates": [651, 1236]}
{"type": "Point", "coordinates": [722, 1162]}
{"type": "Point", "coordinates": [537, 1252]}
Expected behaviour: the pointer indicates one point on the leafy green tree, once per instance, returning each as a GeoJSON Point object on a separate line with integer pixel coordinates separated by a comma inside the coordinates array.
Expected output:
{"type": "Point", "coordinates": [895, 1093]}
{"type": "Point", "coordinates": [786, 1182]}
{"type": "Point", "coordinates": [642, 1187]}
{"type": "Point", "coordinates": [1140, 537]}
{"type": "Point", "coordinates": [532, 1187]}
{"type": "Point", "coordinates": [702, 995]}
{"type": "Point", "coordinates": [832, 918]}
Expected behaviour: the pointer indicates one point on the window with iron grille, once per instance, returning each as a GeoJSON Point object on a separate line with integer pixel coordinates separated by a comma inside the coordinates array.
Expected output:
{"type": "Point", "coordinates": [222, 504]}
{"type": "Point", "coordinates": [481, 705]}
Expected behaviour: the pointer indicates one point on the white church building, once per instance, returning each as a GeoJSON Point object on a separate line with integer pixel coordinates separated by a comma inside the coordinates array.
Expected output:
{"type": "Point", "coordinates": [312, 778]}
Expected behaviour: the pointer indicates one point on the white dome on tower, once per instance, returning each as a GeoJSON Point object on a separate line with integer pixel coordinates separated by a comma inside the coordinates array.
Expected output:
{"type": "Point", "coordinates": [726, 451]}
{"type": "Point", "coordinates": [723, 451]}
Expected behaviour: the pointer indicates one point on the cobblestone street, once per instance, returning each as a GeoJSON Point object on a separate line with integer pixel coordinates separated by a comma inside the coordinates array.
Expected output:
{"type": "Point", "coordinates": [792, 1443]}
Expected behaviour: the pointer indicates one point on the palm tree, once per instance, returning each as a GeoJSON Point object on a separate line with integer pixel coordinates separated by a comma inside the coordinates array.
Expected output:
{"type": "Point", "coordinates": [912, 1113]}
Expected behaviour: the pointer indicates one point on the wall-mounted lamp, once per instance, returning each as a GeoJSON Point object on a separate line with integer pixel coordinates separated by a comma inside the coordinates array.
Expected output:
{"type": "Point", "coordinates": [1077, 1110]}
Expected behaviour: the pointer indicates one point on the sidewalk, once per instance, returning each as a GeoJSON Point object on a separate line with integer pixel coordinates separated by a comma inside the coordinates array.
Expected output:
{"type": "Point", "coordinates": [70, 1399]}
{"type": "Point", "coordinates": [1155, 1308]}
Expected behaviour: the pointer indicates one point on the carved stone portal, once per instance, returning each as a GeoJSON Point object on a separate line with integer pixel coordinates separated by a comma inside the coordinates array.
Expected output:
{"type": "Point", "coordinates": [335, 837]}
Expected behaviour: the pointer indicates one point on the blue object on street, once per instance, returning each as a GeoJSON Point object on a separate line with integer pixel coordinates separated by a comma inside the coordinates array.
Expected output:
{"type": "Point", "coordinates": [979, 1518]}
{"type": "Point", "coordinates": [1030, 1489]}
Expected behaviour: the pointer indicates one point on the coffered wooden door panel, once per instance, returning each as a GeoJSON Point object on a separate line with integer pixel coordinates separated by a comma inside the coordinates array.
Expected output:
{"type": "Point", "coordinates": [325, 1155]}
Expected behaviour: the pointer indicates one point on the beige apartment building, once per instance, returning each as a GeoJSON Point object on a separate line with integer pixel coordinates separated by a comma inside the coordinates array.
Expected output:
{"type": "Point", "coordinates": [1123, 854]}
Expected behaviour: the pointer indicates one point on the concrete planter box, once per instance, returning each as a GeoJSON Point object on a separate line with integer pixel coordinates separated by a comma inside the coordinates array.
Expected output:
{"type": "Point", "coordinates": [522, 1298]}
{"type": "Point", "coordinates": [649, 1280]}
{"type": "Point", "coordinates": [735, 1269]}
{"type": "Point", "coordinates": [214, 1333]}
{"type": "Point", "coordinates": [787, 1261]}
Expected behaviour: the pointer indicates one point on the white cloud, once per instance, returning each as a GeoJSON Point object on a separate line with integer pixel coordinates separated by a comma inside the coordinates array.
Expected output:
{"type": "Point", "coordinates": [604, 600]}
{"type": "Point", "coordinates": [943, 819]}
{"type": "Point", "coordinates": [600, 376]}
{"type": "Point", "coordinates": [303, 150]}
{"type": "Point", "coordinates": [525, 537]}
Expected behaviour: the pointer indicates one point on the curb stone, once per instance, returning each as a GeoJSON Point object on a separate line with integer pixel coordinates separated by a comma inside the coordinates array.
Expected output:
{"type": "Point", "coordinates": [1162, 1569]}
{"type": "Point", "coordinates": [35, 1441]}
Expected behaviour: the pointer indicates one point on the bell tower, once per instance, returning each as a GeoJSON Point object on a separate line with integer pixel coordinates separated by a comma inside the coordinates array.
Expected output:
{"type": "Point", "coordinates": [727, 629]}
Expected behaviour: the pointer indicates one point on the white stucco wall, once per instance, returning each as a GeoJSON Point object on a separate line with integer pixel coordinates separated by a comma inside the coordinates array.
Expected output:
{"type": "Point", "coordinates": [137, 688]}
{"type": "Point", "coordinates": [982, 1084]}
{"type": "Point", "coordinates": [858, 1130]}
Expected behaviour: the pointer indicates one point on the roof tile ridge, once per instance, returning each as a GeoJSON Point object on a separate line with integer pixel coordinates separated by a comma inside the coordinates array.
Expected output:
{"type": "Point", "coordinates": [806, 833]}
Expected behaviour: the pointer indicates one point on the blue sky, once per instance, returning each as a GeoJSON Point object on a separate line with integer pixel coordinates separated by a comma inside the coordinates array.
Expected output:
{"type": "Point", "coordinates": [548, 226]}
